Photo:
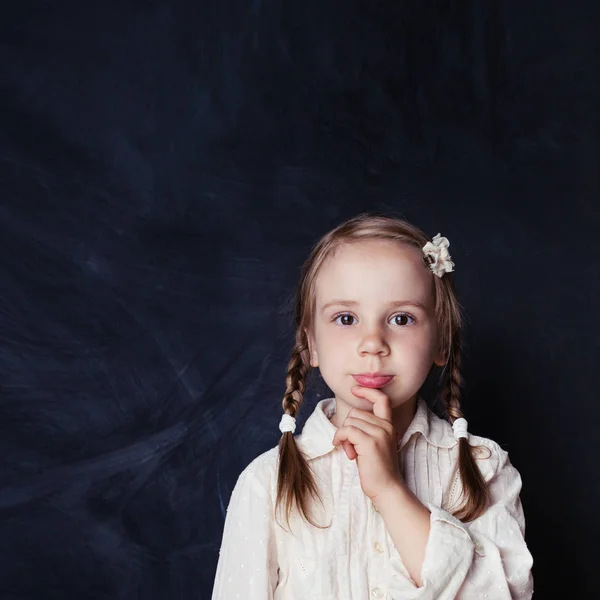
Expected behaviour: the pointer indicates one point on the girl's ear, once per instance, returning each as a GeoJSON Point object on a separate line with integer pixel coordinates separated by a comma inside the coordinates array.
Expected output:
{"type": "Point", "coordinates": [439, 360]}
{"type": "Point", "coordinates": [314, 359]}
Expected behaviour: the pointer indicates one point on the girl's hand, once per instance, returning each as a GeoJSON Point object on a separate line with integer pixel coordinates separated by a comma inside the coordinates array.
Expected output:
{"type": "Point", "coordinates": [370, 438]}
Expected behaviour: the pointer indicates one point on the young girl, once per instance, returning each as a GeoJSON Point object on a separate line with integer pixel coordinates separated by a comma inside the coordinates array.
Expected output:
{"type": "Point", "coordinates": [378, 497]}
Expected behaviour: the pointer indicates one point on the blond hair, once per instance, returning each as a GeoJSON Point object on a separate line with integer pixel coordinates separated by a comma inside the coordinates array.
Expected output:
{"type": "Point", "coordinates": [295, 481]}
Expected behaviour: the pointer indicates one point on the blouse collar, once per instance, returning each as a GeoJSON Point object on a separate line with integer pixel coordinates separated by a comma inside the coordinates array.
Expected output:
{"type": "Point", "coordinates": [318, 431]}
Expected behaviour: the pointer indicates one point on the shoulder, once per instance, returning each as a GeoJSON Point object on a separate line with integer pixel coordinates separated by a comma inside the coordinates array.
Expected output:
{"type": "Point", "coordinates": [490, 456]}
{"type": "Point", "coordinates": [264, 463]}
{"type": "Point", "coordinates": [488, 453]}
{"type": "Point", "coordinates": [261, 473]}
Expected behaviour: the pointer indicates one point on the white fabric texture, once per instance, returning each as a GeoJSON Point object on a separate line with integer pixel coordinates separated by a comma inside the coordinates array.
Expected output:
{"type": "Point", "coordinates": [355, 558]}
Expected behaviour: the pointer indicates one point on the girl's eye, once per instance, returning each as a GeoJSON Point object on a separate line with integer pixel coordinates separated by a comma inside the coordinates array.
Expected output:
{"type": "Point", "coordinates": [344, 316]}
{"type": "Point", "coordinates": [402, 316]}
{"type": "Point", "coordinates": [399, 319]}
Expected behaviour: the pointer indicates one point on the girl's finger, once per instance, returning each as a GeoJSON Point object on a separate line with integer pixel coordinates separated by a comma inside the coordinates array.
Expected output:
{"type": "Point", "coordinates": [352, 434]}
{"type": "Point", "coordinates": [368, 417]}
{"type": "Point", "coordinates": [369, 428]}
{"type": "Point", "coordinates": [381, 401]}
{"type": "Point", "coordinates": [349, 450]}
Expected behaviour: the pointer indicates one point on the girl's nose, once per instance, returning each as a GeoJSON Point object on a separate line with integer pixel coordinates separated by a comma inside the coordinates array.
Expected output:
{"type": "Point", "coordinates": [373, 343]}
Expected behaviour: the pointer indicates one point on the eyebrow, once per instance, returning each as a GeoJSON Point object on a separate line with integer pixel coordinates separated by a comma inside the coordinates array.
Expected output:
{"type": "Point", "coordinates": [393, 304]}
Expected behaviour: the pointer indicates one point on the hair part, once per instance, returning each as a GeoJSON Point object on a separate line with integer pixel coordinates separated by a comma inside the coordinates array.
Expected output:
{"type": "Point", "coordinates": [295, 481]}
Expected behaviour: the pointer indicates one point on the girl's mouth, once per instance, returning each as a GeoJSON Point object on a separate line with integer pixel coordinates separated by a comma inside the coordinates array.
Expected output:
{"type": "Point", "coordinates": [373, 381]}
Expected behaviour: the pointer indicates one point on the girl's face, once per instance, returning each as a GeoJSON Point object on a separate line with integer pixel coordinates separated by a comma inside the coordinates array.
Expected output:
{"type": "Point", "coordinates": [387, 325]}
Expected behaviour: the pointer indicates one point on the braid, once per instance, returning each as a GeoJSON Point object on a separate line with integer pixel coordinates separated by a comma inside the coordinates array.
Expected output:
{"type": "Point", "coordinates": [295, 479]}
{"type": "Point", "coordinates": [475, 489]}
{"type": "Point", "coordinates": [296, 376]}
{"type": "Point", "coordinates": [454, 380]}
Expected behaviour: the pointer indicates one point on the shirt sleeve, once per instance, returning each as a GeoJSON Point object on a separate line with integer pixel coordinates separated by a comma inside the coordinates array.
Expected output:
{"type": "Point", "coordinates": [487, 558]}
{"type": "Point", "coordinates": [247, 566]}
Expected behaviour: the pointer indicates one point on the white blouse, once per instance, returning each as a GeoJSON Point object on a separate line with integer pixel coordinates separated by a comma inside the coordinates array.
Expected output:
{"type": "Point", "coordinates": [355, 558]}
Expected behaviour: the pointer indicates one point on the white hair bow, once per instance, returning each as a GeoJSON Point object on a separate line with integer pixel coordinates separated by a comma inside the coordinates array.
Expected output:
{"type": "Point", "coordinates": [437, 257]}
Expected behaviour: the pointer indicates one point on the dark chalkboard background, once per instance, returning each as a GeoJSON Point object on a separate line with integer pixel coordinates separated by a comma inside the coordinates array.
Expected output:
{"type": "Point", "coordinates": [165, 168]}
